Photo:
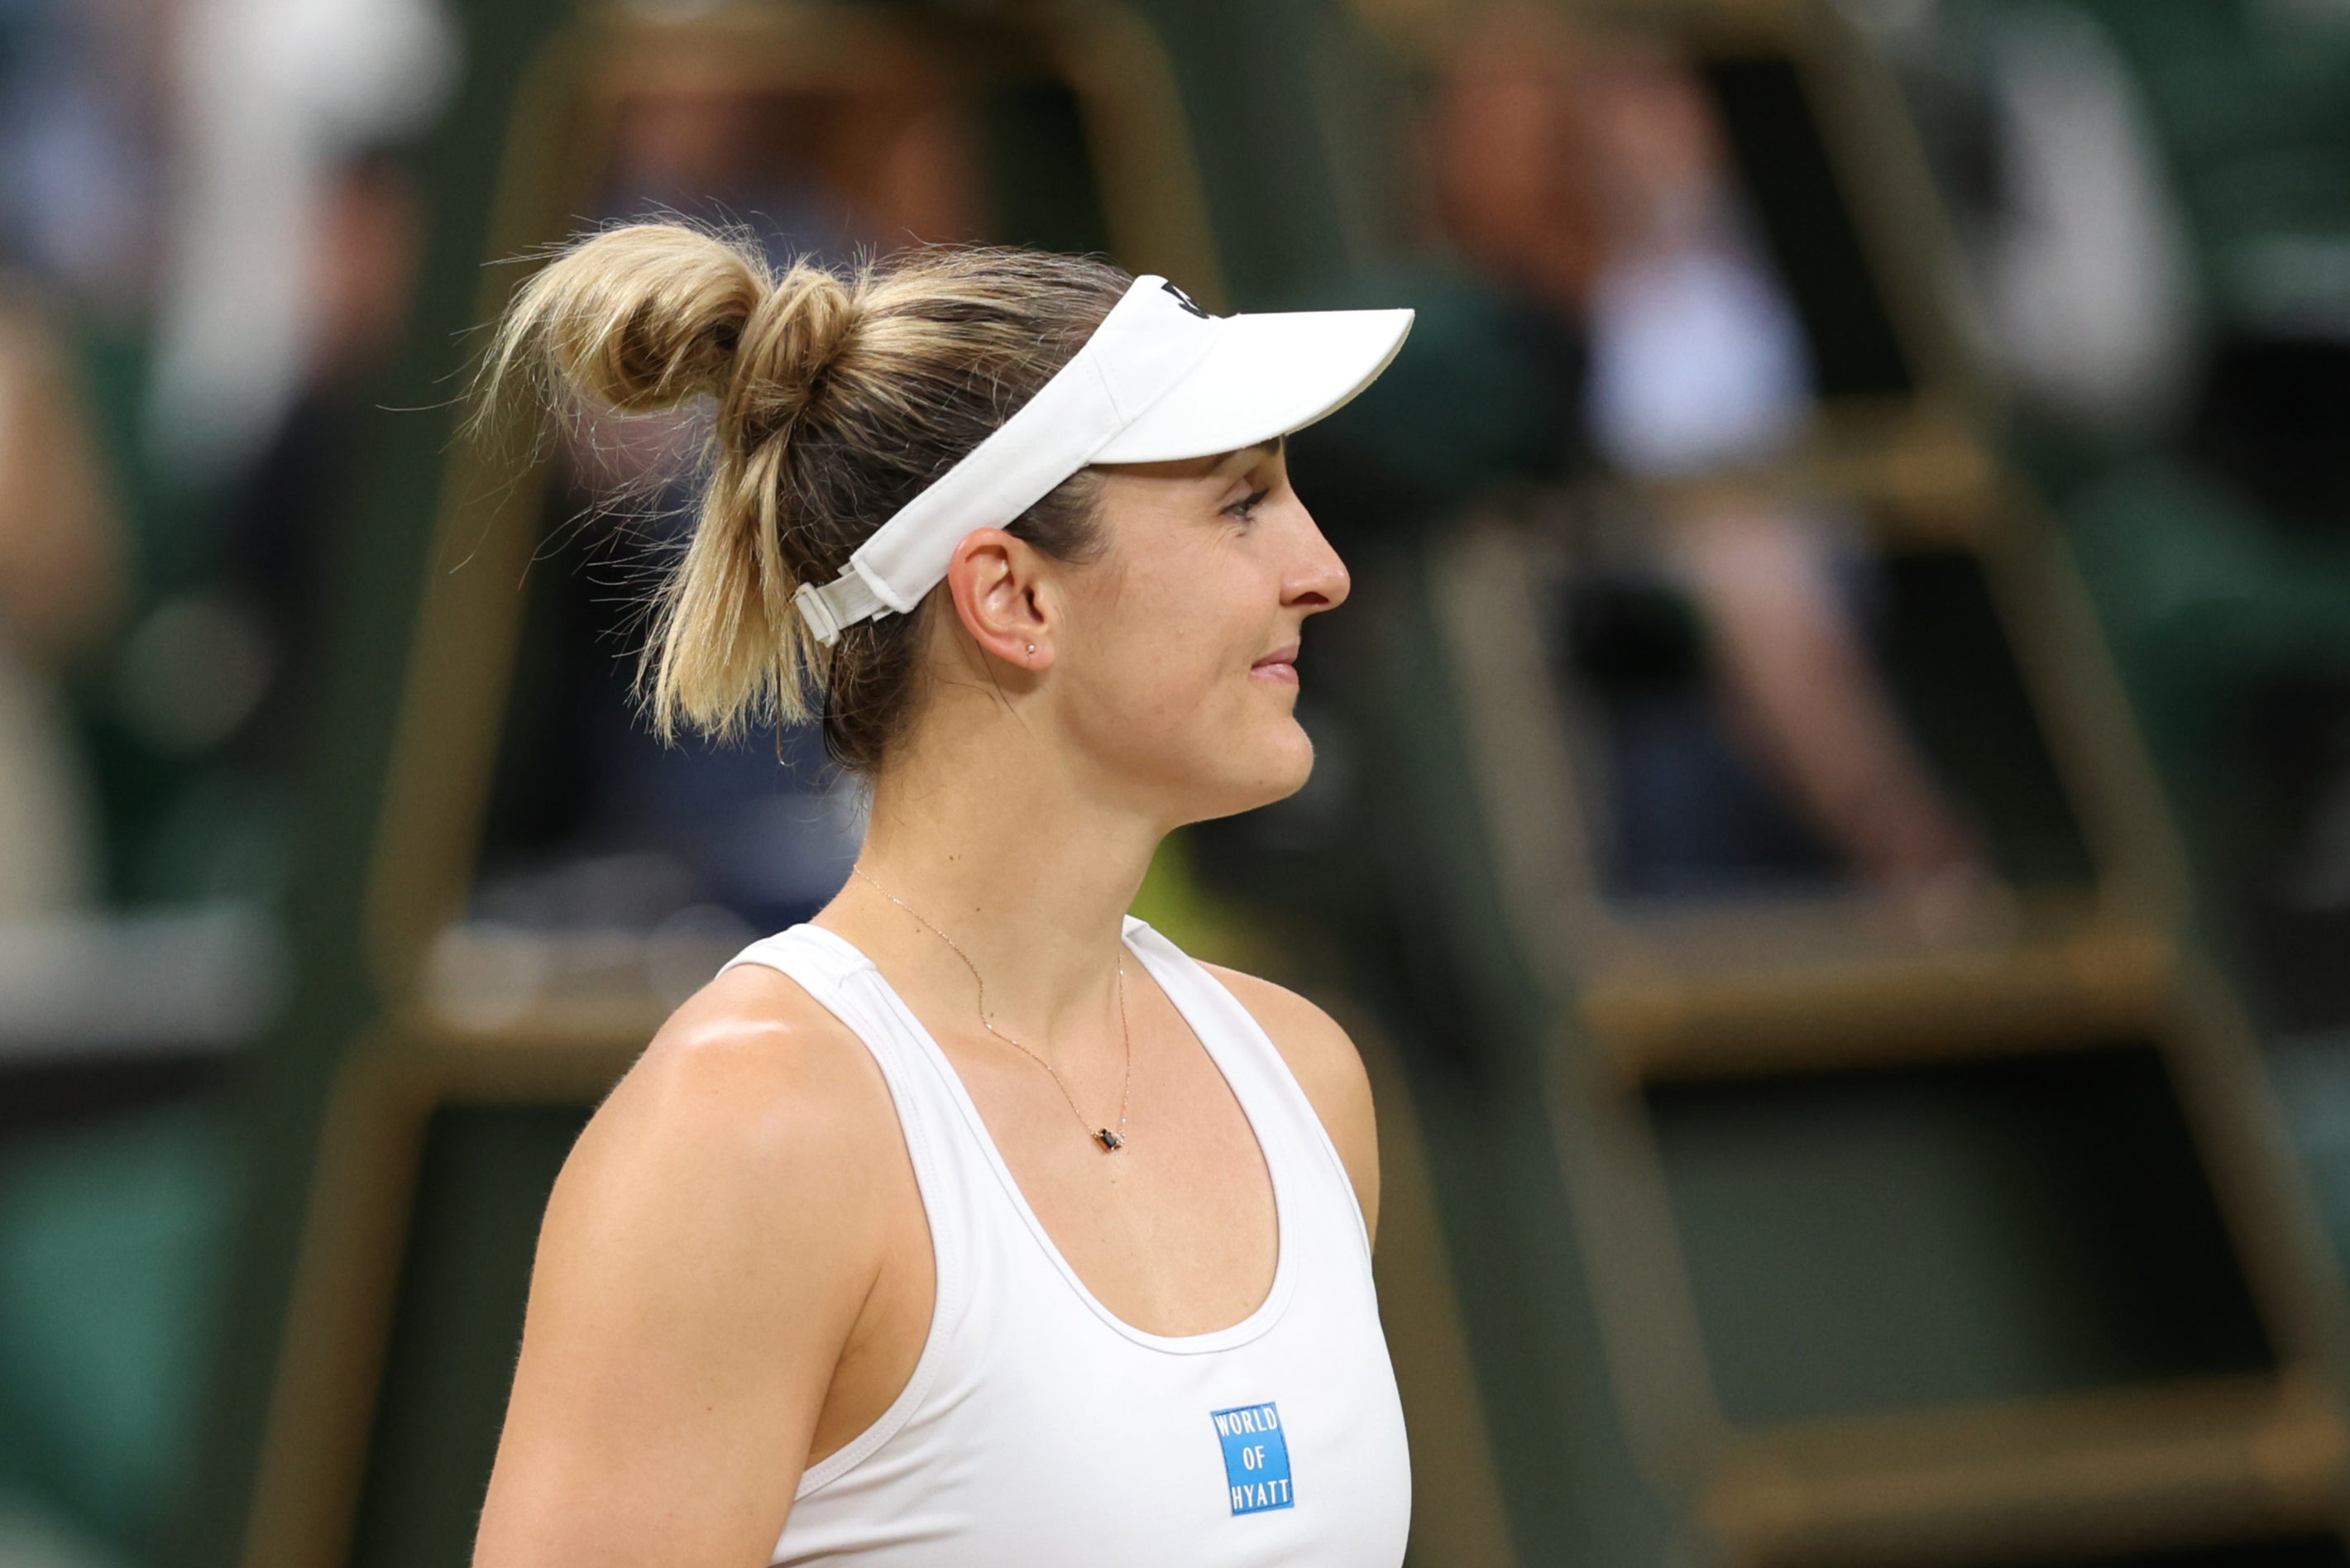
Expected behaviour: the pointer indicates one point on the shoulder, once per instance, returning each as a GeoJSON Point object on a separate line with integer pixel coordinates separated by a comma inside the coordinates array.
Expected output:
{"type": "Point", "coordinates": [707, 1253]}
{"type": "Point", "coordinates": [754, 1078]}
{"type": "Point", "coordinates": [755, 1051]}
{"type": "Point", "coordinates": [1322, 1058]}
{"type": "Point", "coordinates": [752, 1089]}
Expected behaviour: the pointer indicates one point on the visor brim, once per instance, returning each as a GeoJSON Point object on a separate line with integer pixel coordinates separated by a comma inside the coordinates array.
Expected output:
{"type": "Point", "coordinates": [1267, 376]}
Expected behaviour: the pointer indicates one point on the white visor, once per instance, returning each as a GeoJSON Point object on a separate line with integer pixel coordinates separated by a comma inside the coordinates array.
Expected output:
{"type": "Point", "coordinates": [1159, 379]}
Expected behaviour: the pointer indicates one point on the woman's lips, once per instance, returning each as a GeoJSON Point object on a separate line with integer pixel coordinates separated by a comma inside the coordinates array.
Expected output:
{"type": "Point", "coordinates": [1281, 665]}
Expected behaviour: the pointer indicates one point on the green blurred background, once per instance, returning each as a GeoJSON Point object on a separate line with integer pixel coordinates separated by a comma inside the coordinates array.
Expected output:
{"type": "Point", "coordinates": [1833, 817]}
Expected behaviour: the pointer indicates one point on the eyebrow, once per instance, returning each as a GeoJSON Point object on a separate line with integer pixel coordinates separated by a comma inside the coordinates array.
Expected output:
{"type": "Point", "coordinates": [1269, 448]}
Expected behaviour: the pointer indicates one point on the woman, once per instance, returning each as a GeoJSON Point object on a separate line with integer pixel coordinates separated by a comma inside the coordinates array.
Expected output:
{"type": "Point", "coordinates": [970, 1222]}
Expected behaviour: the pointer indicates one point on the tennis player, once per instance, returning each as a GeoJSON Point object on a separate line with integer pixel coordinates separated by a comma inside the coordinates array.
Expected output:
{"type": "Point", "coordinates": [972, 1222]}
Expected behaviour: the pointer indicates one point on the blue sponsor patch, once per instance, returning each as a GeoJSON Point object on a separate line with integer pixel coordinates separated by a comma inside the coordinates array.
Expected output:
{"type": "Point", "coordinates": [1256, 1456]}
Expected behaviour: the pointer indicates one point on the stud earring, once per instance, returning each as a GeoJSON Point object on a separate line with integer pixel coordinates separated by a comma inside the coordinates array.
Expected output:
{"type": "Point", "coordinates": [1031, 647]}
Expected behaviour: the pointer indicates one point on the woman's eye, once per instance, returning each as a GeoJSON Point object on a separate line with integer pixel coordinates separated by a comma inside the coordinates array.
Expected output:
{"type": "Point", "coordinates": [1246, 506]}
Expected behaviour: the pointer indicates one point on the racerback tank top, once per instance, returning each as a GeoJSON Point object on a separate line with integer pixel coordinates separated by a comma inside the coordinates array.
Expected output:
{"type": "Point", "coordinates": [1037, 1427]}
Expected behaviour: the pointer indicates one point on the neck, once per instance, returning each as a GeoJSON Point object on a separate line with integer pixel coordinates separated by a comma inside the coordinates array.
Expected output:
{"type": "Point", "coordinates": [1027, 870]}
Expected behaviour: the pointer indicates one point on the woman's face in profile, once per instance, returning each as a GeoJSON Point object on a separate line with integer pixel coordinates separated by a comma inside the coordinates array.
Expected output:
{"type": "Point", "coordinates": [1177, 667]}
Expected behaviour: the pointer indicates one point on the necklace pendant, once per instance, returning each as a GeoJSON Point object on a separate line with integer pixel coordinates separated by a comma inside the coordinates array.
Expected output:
{"type": "Point", "coordinates": [1111, 1142]}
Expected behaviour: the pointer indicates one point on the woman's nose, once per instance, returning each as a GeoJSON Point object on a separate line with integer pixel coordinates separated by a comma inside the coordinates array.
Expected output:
{"type": "Point", "coordinates": [1320, 580]}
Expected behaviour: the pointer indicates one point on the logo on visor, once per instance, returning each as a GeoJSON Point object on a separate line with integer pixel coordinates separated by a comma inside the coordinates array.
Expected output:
{"type": "Point", "coordinates": [1186, 301]}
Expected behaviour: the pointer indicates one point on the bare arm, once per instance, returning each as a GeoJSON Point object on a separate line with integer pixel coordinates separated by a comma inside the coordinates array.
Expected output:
{"type": "Point", "coordinates": [1329, 1069]}
{"type": "Point", "coordinates": [1815, 702]}
{"type": "Point", "coordinates": [704, 1261]}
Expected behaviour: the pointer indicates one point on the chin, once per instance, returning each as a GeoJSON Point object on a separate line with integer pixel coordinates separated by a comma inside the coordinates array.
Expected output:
{"type": "Point", "coordinates": [1283, 764]}
{"type": "Point", "coordinates": [1225, 773]}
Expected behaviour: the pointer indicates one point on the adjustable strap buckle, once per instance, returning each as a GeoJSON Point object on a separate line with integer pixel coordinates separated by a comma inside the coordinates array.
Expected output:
{"type": "Point", "coordinates": [837, 605]}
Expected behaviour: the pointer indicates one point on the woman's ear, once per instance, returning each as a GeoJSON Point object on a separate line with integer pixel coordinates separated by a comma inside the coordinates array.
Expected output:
{"type": "Point", "coordinates": [1001, 595]}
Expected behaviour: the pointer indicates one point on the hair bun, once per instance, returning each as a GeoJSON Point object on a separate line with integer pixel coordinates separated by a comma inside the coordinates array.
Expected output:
{"type": "Point", "coordinates": [790, 338]}
{"type": "Point", "coordinates": [641, 316]}
{"type": "Point", "coordinates": [647, 315]}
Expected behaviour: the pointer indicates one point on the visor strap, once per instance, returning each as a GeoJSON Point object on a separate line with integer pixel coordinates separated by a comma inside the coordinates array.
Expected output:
{"type": "Point", "coordinates": [1148, 343]}
{"type": "Point", "coordinates": [842, 602]}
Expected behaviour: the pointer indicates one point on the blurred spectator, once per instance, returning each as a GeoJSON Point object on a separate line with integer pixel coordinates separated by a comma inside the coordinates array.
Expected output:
{"type": "Point", "coordinates": [1698, 359]}
{"type": "Point", "coordinates": [2157, 195]}
{"type": "Point", "coordinates": [1518, 183]}
{"type": "Point", "coordinates": [82, 86]}
{"type": "Point", "coordinates": [1587, 173]}
{"type": "Point", "coordinates": [199, 186]}
{"type": "Point", "coordinates": [273, 97]}
{"type": "Point", "coordinates": [61, 569]}
{"type": "Point", "coordinates": [2051, 159]}
{"type": "Point", "coordinates": [2088, 273]}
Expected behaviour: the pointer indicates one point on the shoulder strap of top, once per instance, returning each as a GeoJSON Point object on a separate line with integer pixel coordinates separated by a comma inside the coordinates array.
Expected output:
{"type": "Point", "coordinates": [826, 967]}
{"type": "Point", "coordinates": [804, 953]}
{"type": "Point", "coordinates": [1251, 1062]}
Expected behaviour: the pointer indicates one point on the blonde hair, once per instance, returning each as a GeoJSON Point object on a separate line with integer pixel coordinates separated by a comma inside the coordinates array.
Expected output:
{"type": "Point", "coordinates": [838, 398]}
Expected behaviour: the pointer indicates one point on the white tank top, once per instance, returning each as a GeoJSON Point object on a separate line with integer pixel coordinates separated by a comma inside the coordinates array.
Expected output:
{"type": "Point", "coordinates": [1037, 1427]}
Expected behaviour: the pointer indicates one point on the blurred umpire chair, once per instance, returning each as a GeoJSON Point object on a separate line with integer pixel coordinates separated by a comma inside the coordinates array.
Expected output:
{"type": "Point", "coordinates": [1813, 931]}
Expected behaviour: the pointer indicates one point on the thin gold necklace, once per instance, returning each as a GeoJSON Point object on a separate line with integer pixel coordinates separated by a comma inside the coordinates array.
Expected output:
{"type": "Point", "coordinates": [1111, 1139]}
